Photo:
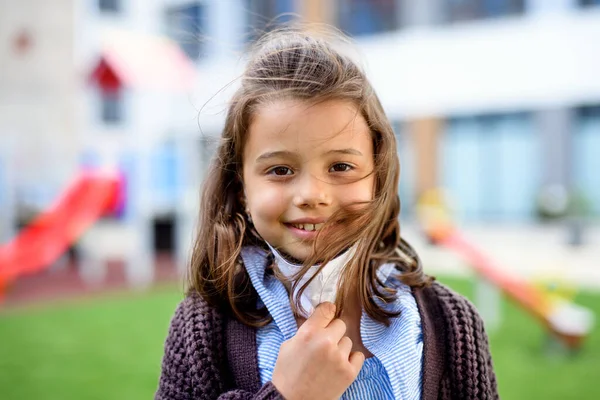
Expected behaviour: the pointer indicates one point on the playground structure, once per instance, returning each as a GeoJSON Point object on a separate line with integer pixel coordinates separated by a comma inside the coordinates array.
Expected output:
{"type": "Point", "coordinates": [91, 196]}
{"type": "Point", "coordinates": [133, 116]}
{"type": "Point", "coordinates": [565, 321]}
{"type": "Point", "coordinates": [105, 213]}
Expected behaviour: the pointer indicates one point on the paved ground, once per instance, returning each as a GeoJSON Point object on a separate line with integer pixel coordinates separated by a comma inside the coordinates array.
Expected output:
{"type": "Point", "coordinates": [533, 252]}
{"type": "Point", "coordinates": [64, 282]}
{"type": "Point", "coordinates": [530, 251]}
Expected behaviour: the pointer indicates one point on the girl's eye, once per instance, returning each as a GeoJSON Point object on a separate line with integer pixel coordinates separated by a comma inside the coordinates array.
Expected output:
{"type": "Point", "coordinates": [340, 167]}
{"type": "Point", "coordinates": [280, 171]}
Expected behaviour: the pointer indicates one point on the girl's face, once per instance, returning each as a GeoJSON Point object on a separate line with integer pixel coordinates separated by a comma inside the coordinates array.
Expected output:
{"type": "Point", "coordinates": [302, 162]}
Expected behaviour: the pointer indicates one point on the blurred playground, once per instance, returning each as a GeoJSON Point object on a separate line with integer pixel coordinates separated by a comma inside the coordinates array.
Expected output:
{"type": "Point", "coordinates": [107, 129]}
{"type": "Point", "coordinates": [71, 342]}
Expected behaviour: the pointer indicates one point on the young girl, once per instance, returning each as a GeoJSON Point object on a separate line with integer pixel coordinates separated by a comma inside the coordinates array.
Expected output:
{"type": "Point", "coordinates": [300, 285]}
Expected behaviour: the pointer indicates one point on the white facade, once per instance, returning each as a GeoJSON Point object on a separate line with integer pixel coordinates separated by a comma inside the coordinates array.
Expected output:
{"type": "Point", "coordinates": [548, 57]}
{"type": "Point", "coordinates": [38, 91]}
{"type": "Point", "coordinates": [531, 62]}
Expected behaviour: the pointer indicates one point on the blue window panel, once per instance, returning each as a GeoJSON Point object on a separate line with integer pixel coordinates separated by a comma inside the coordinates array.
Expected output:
{"type": "Point", "coordinates": [406, 154]}
{"type": "Point", "coordinates": [265, 15]}
{"type": "Point", "coordinates": [165, 175]}
{"type": "Point", "coordinates": [585, 3]}
{"type": "Point", "coordinates": [285, 6]}
{"type": "Point", "coordinates": [462, 168]}
{"type": "Point", "coordinates": [499, 8]}
{"type": "Point", "coordinates": [490, 167]}
{"type": "Point", "coordinates": [269, 9]}
{"type": "Point", "coordinates": [586, 160]}
{"type": "Point", "coordinates": [518, 174]}
{"type": "Point", "coordinates": [113, 6]}
{"type": "Point", "coordinates": [466, 10]}
{"type": "Point", "coordinates": [186, 25]}
{"type": "Point", "coordinates": [112, 107]}
{"type": "Point", "coordinates": [128, 169]}
{"type": "Point", "coordinates": [490, 156]}
{"type": "Point", "coordinates": [363, 17]}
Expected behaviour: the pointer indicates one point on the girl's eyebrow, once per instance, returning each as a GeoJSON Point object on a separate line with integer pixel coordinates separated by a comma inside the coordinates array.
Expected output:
{"type": "Point", "coordinates": [283, 153]}
{"type": "Point", "coordinates": [345, 151]}
{"type": "Point", "coordinates": [274, 154]}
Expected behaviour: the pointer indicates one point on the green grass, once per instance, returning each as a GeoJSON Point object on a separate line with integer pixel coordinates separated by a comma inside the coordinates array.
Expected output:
{"type": "Point", "coordinates": [98, 349]}
{"type": "Point", "coordinates": [110, 348]}
{"type": "Point", "coordinates": [527, 368]}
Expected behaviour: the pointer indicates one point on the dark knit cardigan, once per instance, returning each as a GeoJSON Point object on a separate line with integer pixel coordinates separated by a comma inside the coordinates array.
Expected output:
{"type": "Point", "coordinates": [210, 355]}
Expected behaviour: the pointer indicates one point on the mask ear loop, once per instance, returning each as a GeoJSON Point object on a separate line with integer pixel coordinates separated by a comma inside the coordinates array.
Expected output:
{"type": "Point", "coordinates": [247, 216]}
{"type": "Point", "coordinates": [244, 204]}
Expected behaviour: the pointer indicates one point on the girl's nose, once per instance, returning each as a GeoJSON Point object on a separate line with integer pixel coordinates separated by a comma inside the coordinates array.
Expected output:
{"type": "Point", "coordinates": [311, 191]}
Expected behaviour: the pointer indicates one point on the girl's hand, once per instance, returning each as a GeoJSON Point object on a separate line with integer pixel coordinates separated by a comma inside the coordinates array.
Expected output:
{"type": "Point", "coordinates": [317, 363]}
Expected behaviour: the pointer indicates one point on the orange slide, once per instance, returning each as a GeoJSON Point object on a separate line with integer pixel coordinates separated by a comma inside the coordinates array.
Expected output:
{"type": "Point", "coordinates": [566, 321]}
{"type": "Point", "coordinates": [89, 197]}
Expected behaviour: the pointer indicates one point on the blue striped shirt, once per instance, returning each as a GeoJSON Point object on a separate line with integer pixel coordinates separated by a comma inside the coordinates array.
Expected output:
{"type": "Point", "coordinates": [395, 370]}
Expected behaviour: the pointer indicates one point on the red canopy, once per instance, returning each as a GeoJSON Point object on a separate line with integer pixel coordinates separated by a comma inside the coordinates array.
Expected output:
{"type": "Point", "coordinates": [144, 62]}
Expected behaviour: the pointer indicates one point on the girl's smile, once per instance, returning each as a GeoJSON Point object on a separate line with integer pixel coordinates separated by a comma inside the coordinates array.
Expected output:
{"type": "Point", "coordinates": [302, 233]}
{"type": "Point", "coordinates": [306, 228]}
{"type": "Point", "coordinates": [302, 162]}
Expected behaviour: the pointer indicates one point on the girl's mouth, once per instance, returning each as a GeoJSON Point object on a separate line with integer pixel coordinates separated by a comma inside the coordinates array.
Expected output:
{"type": "Point", "coordinates": [304, 231]}
{"type": "Point", "coordinates": [308, 227]}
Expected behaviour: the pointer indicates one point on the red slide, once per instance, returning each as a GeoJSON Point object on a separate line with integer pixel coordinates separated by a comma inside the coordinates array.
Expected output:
{"type": "Point", "coordinates": [90, 196]}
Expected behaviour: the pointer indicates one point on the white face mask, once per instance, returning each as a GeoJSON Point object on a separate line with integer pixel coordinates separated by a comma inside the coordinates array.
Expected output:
{"type": "Point", "coordinates": [323, 287]}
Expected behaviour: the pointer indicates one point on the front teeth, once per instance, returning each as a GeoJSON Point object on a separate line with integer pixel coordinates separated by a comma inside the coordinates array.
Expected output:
{"type": "Point", "coordinates": [308, 227]}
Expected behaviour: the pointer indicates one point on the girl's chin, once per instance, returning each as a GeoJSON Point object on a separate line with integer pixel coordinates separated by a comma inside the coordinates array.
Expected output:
{"type": "Point", "coordinates": [300, 259]}
{"type": "Point", "coordinates": [296, 258]}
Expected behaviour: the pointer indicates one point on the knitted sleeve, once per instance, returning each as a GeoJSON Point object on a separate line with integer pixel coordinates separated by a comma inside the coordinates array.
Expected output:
{"type": "Point", "coordinates": [470, 373]}
{"type": "Point", "coordinates": [194, 357]}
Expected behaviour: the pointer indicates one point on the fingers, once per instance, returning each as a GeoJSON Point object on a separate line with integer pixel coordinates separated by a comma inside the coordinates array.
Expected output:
{"type": "Point", "coordinates": [345, 346]}
{"type": "Point", "coordinates": [357, 360]}
{"type": "Point", "coordinates": [336, 329]}
{"type": "Point", "coordinates": [322, 316]}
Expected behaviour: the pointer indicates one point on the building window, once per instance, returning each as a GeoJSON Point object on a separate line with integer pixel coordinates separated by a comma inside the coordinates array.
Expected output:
{"type": "Point", "coordinates": [586, 3]}
{"type": "Point", "coordinates": [585, 161]}
{"type": "Point", "coordinates": [265, 15]}
{"type": "Point", "coordinates": [185, 24]}
{"type": "Point", "coordinates": [109, 6]}
{"type": "Point", "coordinates": [363, 17]}
{"type": "Point", "coordinates": [478, 169]}
{"type": "Point", "coordinates": [406, 155]}
{"type": "Point", "coordinates": [112, 107]}
{"type": "Point", "coordinates": [466, 10]}
{"type": "Point", "coordinates": [166, 170]}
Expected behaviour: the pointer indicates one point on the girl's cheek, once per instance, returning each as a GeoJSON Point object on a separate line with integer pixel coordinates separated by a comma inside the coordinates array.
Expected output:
{"type": "Point", "coordinates": [270, 202]}
{"type": "Point", "coordinates": [359, 192]}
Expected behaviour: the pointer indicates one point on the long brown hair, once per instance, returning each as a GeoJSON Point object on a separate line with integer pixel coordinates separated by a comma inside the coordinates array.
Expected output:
{"type": "Point", "coordinates": [296, 63]}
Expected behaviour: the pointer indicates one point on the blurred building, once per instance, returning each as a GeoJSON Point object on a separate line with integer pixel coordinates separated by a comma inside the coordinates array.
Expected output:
{"type": "Point", "coordinates": [94, 84]}
{"type": "Point", "coordinates": [491, 99]}
{"type": "Point", "coordinates": [38, 95]}
{"type": "Point", "coordinates": [496, 101]}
